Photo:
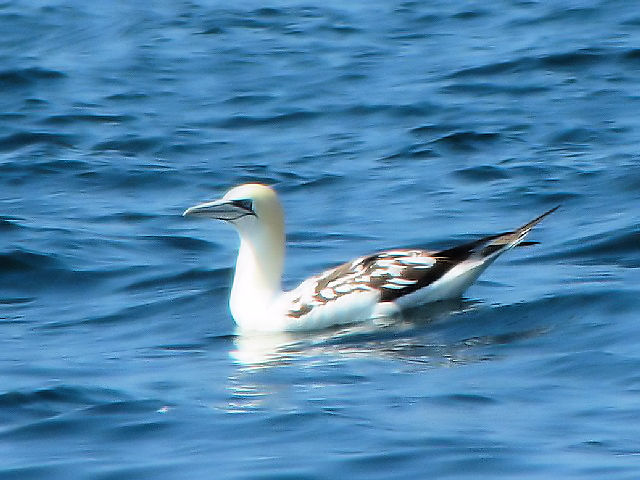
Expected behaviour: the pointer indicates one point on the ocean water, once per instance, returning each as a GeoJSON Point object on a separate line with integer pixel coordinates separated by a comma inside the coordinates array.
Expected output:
{"type": "Point", "coordinates": [382, 124]}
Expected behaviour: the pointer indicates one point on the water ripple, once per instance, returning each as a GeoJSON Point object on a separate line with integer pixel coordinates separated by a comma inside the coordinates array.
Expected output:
{"type": "Point", "coordinates": [576, 59]}
{"type": "Point", "coordinates": [26, 261]}
{"type": "Point", "coordinates": [466, 140]}
{"type": "Point", "coordinates": [19, 140]}
{"type": "Point", "coordinates": [70, 119]}
{"type": "Point", "coordinates": [129, 144]}
{"type": "Point", "coordinates": [27, 76]}
{"type": "Point", "coordinates": [243, 121]}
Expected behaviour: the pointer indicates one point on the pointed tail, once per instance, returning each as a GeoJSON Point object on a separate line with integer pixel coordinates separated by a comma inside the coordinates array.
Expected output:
{"type": "Point", "coordinates": [509, 240]}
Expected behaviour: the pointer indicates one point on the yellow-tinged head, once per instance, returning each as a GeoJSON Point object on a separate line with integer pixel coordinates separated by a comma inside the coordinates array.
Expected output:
{"type": "Point", "coordinates": [255, 211]}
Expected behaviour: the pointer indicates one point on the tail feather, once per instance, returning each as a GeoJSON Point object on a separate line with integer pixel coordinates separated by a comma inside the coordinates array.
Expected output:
{"type": "Point", "coordinates": [509, 240]}
{"type": "Point", "coordinates": [492, 246]}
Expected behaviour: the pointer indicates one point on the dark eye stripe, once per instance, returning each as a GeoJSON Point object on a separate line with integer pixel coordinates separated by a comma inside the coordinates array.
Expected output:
{"type": "Point", "coordinates": [245, 204]}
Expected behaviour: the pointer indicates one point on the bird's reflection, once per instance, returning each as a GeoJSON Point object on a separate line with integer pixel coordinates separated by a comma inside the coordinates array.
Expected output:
{"type": "Point", "coordinates": [422, 339]}
{"type": "Point", "coordinates": [395, 337]}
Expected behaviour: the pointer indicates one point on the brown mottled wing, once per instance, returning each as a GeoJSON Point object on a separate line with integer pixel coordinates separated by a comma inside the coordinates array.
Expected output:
{"type": "Point", "coordinates": [388, 273]}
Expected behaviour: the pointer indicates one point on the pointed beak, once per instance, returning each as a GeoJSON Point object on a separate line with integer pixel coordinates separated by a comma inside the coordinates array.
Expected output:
{"type": "Point", "coordinates": [228, 210]}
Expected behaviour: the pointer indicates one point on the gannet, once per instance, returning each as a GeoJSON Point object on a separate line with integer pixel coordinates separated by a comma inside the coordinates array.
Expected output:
{"type": "Point", "coordinates": [366, 288]}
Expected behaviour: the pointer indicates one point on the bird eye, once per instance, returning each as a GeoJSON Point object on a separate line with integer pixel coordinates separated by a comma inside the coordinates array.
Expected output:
{"type": "Point", "coordinates": [245, 204]}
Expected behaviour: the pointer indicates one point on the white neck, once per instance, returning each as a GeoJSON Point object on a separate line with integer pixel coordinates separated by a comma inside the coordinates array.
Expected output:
{"type": "Point", "coordinates": [258, 274]}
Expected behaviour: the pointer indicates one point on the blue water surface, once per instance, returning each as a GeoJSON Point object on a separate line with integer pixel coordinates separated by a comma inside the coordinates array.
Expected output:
{"type": "Point", "coordinates": [381, 124]}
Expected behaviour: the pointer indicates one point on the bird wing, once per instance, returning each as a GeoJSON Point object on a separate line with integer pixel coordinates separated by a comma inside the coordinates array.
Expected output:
{"type": "Point", "coordinates": [396, 273]}
{"type": "Point", "coordinates": [381, 273]}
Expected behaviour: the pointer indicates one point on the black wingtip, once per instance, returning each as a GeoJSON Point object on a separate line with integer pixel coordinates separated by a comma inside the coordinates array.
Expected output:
{"type": "Point", "coordinates": [537, 220]}
{"type": "Point", "coordinates": [508, 240]}
{"type": "Point", "coordinates": [553, 209]}
{"type": "Point", "coordinates": [548, 212]}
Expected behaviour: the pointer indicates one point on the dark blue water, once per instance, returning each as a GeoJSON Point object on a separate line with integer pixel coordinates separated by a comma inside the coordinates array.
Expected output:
{"type": "Point", "coordinates": [382, 124]}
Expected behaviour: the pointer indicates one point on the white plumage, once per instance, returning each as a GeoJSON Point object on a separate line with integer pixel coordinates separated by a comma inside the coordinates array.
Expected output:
{"type": "Point", "coordinates": [366, 288]}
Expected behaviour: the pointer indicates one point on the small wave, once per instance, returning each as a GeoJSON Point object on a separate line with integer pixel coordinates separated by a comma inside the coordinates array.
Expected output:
{"type": "Point", "coordinates": [45, 165]}
{"type": "Point", "coordinates": [324, 179]}
{"type": "Point", "coordinates": [189, 148]}
{"type": "Point", "coordinates": [129, 96]}
{"type": "Point", "coordinates": [471, 14]}
{"type": "Point", "coordinates": [616, 244]}
{"type": "Point", "coordinates": [286, 21]}
{"type": "Point", "coordinates": [611, 367]}
{"type": "Point", "coordinates": [466, 141]}
{"type": "Point", "coordinates": [13, 117]}
{"type": "Point", "coordinates": [186, 348]}
{"type": "Point", "coordinates": [245, 121]}
{"type": "Point", "coordinates": [68, 410]}
{"type": "Point", "coordinates": [317, 238]}
{"type": "Point", "coordinates": [62, 394]}
{"type": "Point", "coordinates": [416, 150]}
{"type": "Point", "coordinates": [506, 324]}
{"type": "Point", "coordinates": [482, 173]}
{"type": "Point", "coordinates": [26, 261]}
{"type": "Point", "coordinates": [399, 111]}
{"type": "Point", "coordinates": [428, 19]}
{"type": "Point", "coordinates": [434, 129]}
{"type": "Point", "coordinates": [575, 136]}
{"type": "Point", "coordinates": [495, 68]}
{"type": "Point", "coordinates": [179, 242]}
{"type": "Point", "coordinates": [632, 54]}
{"type": "Point", "coordinates": [269, 12]}
{"type": "Point", "coordinates": [571, 59]}
{"type": "Point", "coordinates": [249, 99]}
{"type": "Point", "coordinates": [27, 76]}
{"type": "Point", "coordinates": [16, 300]}
{"type": "Point", "coordinates": [9, 224]}
{"type": "Point", "coordinates": [87, 118]}
{"type": "Point", "coordinates": [123, 406]}
{"type": "Point", "coordinates": [129, 145]}
{"type": "Point", "coordinates": [351, 77]}
{"type": "Point", "coordinates": [144, 310]}
{"type": "Point", "coordinates": [19, 140]}
{"type": "Point", "coordinates": [487, 88]}
{"type": "Point", "coordinates": [126, 217]}
{"type": "Point", "coordinates": [340, 29]}
{"type": "Point", "coordinates": [576, 59]}
{"type": "Point", "coordinates": [634, 21]}
{"type": "Point", "coordinates": [562, 14]}
{"type": "Point", "coordinates": [213, 30]}
{"type": "Point", "coordinates": [462, 399]}
{"type": "Point", "coordinates": [182, 278]}
{"type": "Point", "coordinates": [60, 166]}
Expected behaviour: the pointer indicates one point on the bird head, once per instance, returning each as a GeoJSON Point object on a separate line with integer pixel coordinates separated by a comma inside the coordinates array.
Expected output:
{"type": "Point", "coordinates": [253, 208]}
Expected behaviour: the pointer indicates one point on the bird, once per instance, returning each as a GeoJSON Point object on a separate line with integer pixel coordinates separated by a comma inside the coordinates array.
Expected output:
{"type": "Point", "coordinates": [378, 285]}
